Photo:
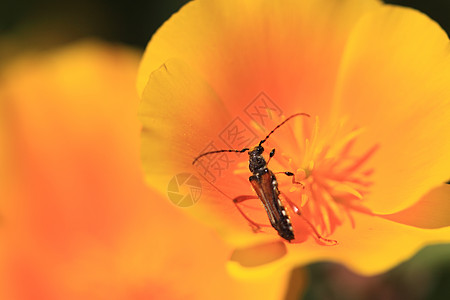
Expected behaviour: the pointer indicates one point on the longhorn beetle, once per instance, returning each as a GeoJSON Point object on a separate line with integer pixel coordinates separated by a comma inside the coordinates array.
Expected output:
{"type": "Point", "coordinates": [265, 185]}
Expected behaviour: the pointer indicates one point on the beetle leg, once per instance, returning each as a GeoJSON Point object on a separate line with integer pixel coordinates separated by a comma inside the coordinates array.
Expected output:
{"type": "Point", "coordinates": [316, 233]}
{"type": "Point", "coordinates": [272, 153]}
{"type": "Point", "coordinates": [255, 226]}
{"type": "Point", "coordinates": [293, 178]}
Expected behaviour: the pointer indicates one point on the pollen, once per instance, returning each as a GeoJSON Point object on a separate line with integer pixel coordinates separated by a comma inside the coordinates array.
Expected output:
{"type": "Point", "coordinates": [334, 177]}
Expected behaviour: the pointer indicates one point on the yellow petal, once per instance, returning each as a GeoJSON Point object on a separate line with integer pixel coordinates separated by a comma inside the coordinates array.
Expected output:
{"type": "Point", "coordinates": [180, 116]}
{"type": "Point", "coordinates": [431, 211]}
{"type": "Point", "coordinates": [289, 50]}
{"type": "Point", "coordinates": [259, 254]}
{"type": "Point", "coordinates": [394, 83]}
{"type": "Point", "coordinates": [376, 244]}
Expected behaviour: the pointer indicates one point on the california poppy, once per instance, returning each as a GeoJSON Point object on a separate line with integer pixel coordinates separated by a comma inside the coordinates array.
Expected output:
{"type": "Point", "coordinates": [373, 77]}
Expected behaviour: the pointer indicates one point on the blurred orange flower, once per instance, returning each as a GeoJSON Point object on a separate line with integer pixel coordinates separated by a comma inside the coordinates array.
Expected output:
{"type": "Point", "coordinates": [78, 221]}
{"type": "Point", "coordinates": [373, 158]}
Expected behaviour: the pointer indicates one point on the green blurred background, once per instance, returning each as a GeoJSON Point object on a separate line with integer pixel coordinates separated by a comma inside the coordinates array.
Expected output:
{"type": "Point", "coordinates": [35, 25]}
{"type": "Point", "coordinates": [45, 23]}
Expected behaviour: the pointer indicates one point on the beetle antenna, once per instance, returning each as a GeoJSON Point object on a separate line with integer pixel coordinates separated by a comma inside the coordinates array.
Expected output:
{"type": "Point", "coordinates": [219, 151]}
{"type": "Point", "coordinates": [279, 125]}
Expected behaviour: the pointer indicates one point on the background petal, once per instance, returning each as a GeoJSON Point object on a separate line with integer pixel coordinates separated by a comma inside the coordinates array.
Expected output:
{"type": "Point", "coordinates": [394, 83]}
{"type": "Point", "coordinates": [77, 219]}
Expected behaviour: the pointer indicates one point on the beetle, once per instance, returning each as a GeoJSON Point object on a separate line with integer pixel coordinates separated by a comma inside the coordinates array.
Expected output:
{"type": "Point", "coordinates": [265, 185]}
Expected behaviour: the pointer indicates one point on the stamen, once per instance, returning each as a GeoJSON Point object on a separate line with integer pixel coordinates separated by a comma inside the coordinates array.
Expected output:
{"type": "Point", "coordinates": [333, 175]}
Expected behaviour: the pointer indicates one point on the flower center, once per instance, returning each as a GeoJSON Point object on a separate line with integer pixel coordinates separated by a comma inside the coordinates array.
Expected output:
{"type": "Point", "coordinates": [334, 176]}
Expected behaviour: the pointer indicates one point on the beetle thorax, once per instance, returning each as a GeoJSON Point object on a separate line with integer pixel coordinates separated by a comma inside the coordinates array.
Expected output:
{"type": "Point", "coordinates": [256, 161]}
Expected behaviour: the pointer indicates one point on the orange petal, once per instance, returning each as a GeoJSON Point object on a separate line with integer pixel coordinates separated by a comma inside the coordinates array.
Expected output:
{"type": "Point", "coordinates": [78, 221]}
{"type": "Point", "coordinates": [290, 50]}
{"type": "Point", "coordinates": [198, 271]}
{"type": "Point", "coordinates": [394, 83]}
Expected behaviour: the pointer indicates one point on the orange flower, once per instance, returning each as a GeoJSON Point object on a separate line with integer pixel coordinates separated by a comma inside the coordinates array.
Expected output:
{"type": "Point", "coordinates": [78, 221]}
{"type": "Point", "coordinates": [372, 159]}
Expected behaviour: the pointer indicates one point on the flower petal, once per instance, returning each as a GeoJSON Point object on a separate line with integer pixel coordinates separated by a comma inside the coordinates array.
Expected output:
{"type": "Point", "coordinates": [394, 83]}
{"type": "Point", "coordinates": [431, 211]}
{"type": "Point", "coordinates": [372, 236]}
{"type": "Point", "coordinates": [202, 255]}
{"type": "Point", "coordinates": [288, 49]}
{"type": "Point", "coordinates": [180, 115]}
{"type": "Point", "coordinates": [259, 254]}
{"type": "Point", "coordinates": [78, 221]}
{"type": "Point", "coordinates": [275, 40]}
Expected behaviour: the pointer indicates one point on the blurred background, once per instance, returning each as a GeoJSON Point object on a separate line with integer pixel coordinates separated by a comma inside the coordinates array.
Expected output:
{"type": "Point", "coordinates": [45, 24]}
